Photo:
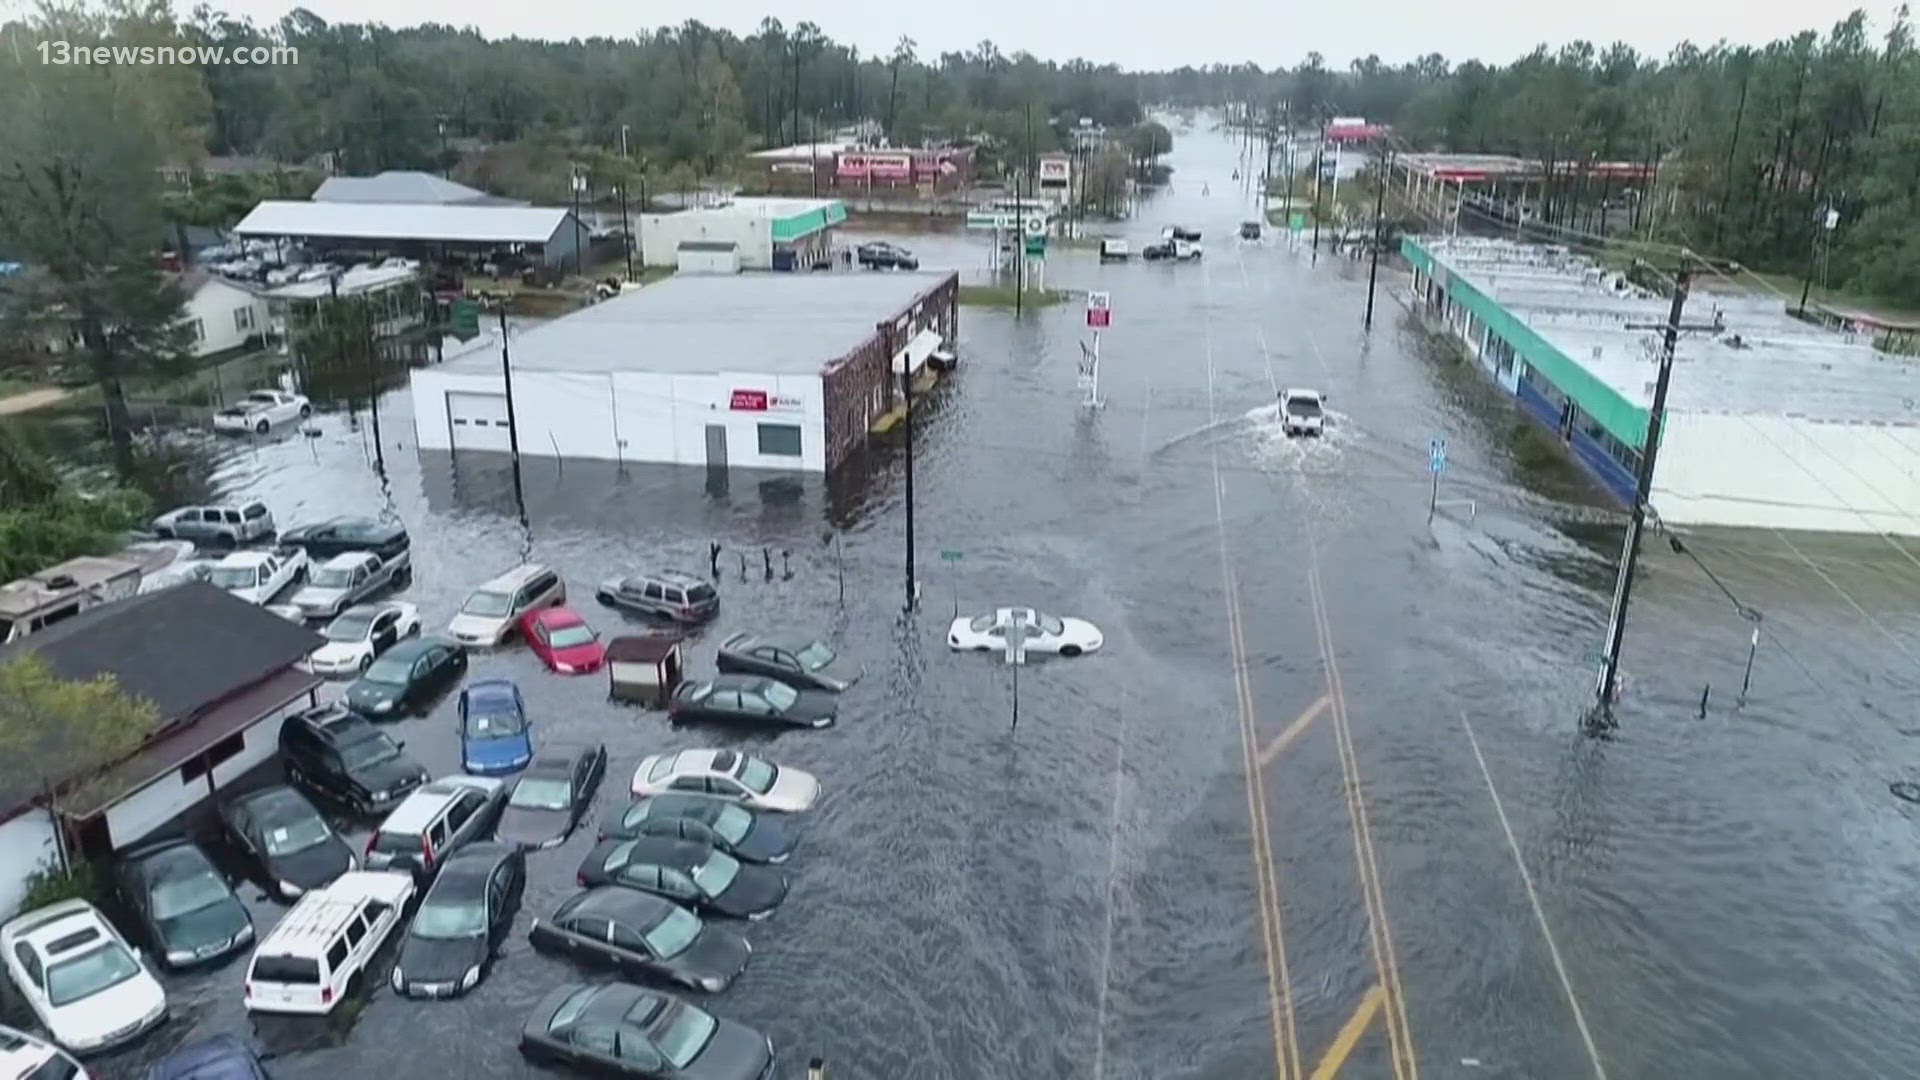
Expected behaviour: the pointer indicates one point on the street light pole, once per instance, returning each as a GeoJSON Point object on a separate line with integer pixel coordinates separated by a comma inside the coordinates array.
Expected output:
{"type": "Point", "coordinates": [1379, 220]}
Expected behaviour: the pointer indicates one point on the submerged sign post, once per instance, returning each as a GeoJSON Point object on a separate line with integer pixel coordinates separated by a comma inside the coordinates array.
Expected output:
{"type": "Point", "coordinates": [1017, 658]}
{"type": "Point", "coordinates": [1436, 464]}
{"type": "Point", "coordinates": [1099, 317]}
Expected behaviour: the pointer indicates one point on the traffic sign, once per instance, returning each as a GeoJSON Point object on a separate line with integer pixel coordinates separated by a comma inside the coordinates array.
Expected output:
{"type": "Point", "coordinates": [950, 555]}
{"type": "Point", "coordinates": [1036, 225]}
{"type": "Point", "coordinates": [1099, 310]}
{"type": "Point", "coordinates": [1437, 455]}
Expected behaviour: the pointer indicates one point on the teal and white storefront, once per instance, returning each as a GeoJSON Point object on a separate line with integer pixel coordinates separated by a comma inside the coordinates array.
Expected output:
{"type": "Point", "coordinates": [1603, 430]}
{"type": "Point", "coordinates": [767, 234]}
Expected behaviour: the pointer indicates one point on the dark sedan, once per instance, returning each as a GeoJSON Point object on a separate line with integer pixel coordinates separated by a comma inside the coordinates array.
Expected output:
{"type": "Point", "coordinates": [622, 1030]}
{"type": "Point", "coordinates": [451, 944]}
{"type": "Point", "coordinates": [186, 910]}
{"type": "Point", "coordinates": [217, 1057]}
{"type": "Point", "coordinates": [282, 834]}
{"type": "Point", "coordinates": [798, 662]}
{"type": "Point", "coordinates": [742, 833]}
{"type": "Point", "coordinates": [406, 678]}
{"type": "Point", "coordinates": [640, 933]}
{"type": "Point", "coordinates": [688, 872]}
{"type": "Point", "coordinates": [750, 699]}
{"type": "Point", "coordinates": [323, 540]}
{"type": "Point", "coordinates": [880, 255]}
{"type": "Point", "coordinates": [549, 798]}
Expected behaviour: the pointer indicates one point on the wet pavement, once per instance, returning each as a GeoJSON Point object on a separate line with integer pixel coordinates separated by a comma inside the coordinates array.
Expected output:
{"type": "Point", "coordinates": [1258, 833]}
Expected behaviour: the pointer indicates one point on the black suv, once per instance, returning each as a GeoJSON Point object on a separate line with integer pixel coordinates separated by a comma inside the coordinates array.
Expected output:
{"type": "Point", "coordinates": [323, 540]}
{"type": "Point", "coordinates": [880, 255]}
{"type": "Point", "coordinates": [340, 756]}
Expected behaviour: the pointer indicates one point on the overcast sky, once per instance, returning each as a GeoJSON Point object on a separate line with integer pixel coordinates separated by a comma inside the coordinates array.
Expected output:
{"type": "Point", "coordinates": [1143, 34]}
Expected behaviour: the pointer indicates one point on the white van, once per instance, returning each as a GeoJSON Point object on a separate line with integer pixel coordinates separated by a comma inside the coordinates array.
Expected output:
{"type": "Point", "coordinates": [318, 952]}
{"type": "Point", "coordinates": [490, 612]}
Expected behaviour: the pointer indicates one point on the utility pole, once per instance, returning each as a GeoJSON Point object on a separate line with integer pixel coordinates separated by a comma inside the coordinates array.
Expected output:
{"type": "Point", "coordinates": [626, 221]}
{"type": "Point", "coordinates": [1019, 227]}
{"type": "Point", "coordinates": [906, 418]}
{"type": "Point", "coordinates": [440, 121]}
{"type": "Point", "coordinates": [1601, 715]}
{"type": "Point", "coordinates": [1319, 163]}
{"type": "Point", "coordinates": [506, 376]}
{"type": "Point", "coordinates": [579, 241]}
{"type": "Point", "coordinates": [1379, 223]}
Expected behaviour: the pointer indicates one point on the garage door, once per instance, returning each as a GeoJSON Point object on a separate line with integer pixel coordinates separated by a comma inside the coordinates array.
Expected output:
{"type": "Point", "coordinates": [479, 421]}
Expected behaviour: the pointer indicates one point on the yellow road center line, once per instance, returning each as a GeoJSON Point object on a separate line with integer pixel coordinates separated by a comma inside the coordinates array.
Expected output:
{"type": "Point", "coordinates": [1281, 740]}
{"type": "Point", "coordinates": [1350, 1033]}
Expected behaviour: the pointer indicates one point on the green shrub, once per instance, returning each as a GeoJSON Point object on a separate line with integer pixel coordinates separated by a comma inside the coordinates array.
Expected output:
{"type": "Point", "coordinates": [48, 884]}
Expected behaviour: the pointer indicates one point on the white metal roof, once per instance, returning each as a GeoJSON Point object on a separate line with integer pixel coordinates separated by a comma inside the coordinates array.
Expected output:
{"type": "Point", "coordinates": [405, 221]}
{"type": "Point", "coordinates": [401, 186]}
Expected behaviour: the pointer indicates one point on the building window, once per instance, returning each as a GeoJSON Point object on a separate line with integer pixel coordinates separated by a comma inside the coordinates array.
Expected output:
{"type": "Point", "coordinates": [218, 754]}
{"type": "Point", "coordinates": [780, 439]}
{"type": "Point", "coordinates": [243, 319]}
{"type": "Point", "coordinates": [199, 328]}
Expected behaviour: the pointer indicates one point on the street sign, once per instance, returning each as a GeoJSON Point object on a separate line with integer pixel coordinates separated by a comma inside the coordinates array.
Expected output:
{"type": "Point", "coordinates": [463, 317]}
{"type": "Point", "coordinates": [1036, 225]}
{"type": "Point", "coordinates": [1297, 222]}
{"type": "Point", "coordinates": [1099, 310]}
{"type": "Point", "coordinates": [1436, 455]}
{"type": "Point", "coordinates": [950, 555]}
{"type": "Point", "coordinates": [1037, 245]}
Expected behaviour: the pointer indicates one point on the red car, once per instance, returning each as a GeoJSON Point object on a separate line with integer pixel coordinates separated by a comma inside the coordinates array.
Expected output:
{"type": "Point", "coordinates": [563, 640]}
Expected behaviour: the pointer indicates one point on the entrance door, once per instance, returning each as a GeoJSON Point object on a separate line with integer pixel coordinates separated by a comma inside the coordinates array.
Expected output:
{"type": "Point", "coordinates": [716, 446]}
{"type": "Point", "coordinates": [478, 421]}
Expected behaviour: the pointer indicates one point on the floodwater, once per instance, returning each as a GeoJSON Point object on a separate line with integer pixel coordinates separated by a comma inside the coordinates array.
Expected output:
{"type": "Point", "coordinates": [1102, 891]}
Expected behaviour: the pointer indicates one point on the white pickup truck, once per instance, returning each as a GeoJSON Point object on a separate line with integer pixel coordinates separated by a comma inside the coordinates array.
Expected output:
{"type": "Point", "coordinates": [258, 576]}
{"type": "Point", "coordinates": [260, 410]}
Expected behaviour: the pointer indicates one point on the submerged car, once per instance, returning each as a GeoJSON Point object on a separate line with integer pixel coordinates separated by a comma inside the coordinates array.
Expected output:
{"type": "Point", "coordinates": [797, 661]}
{"type": "Point", "coordinates": [26, 1058]}
{"type": "Point", "coordinates": [294, 848]}
{"type": "Point", "coordinates": [549, 798]}
{"type": "Point", "coordinates": [337, 536]}
{"type": "Point", "coordinates": [216, 1057]}
{"type": "Point", "coordinates": [563, 641]}
{"type": "Point", "coordinates": [340, 755]}
{"type": "Point", "coordinates": [686, 872]}
{"type": "Point", "coordinates": [750, 699]}
{"type": "Point", "coordinates": [640, 933]}
{"type": "Point", "coordinates": [1041, 632]}
{"type": "Point", "coordinates": [617, 1029]}
{"type": "Point", "coordinates": [185, 908]}
{"type": "Point", "coordinates": [495, 734]}
{"type": "Point", "coordinates": [260, 410]}
{"type": "Point", "coordinates": [456, 933]}
{"type": "Point", "coordinates": [360, 635]}
{"type": "Point", "coordinates": [726, 774]}
{"type": "Point", "coordinates": [82, 980]}
{"type": "Point", "coordinates": [669, 594]}
{"type": "Point", "coordinates": [732, 828]}
{"type": "Point", "coordinates": [406, 678]}
{"type": "Point", "coordinates": [881, 255]}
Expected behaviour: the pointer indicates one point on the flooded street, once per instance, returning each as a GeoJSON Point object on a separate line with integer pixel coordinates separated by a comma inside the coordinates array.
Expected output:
{"type": "Point", "coordinates": [1259, 830]}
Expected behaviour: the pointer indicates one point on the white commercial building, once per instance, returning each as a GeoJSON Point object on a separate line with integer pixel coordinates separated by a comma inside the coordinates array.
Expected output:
{"type": "Point", "coordinates": [767, 234]}
{"type": "Point", "coordinates": [1771, 422]}
{"type": "Point", "coordinates": [764, 371]}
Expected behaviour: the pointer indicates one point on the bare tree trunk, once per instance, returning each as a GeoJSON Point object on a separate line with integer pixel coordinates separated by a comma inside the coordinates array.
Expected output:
{"type": "Point", "coordinates": [106, 373]}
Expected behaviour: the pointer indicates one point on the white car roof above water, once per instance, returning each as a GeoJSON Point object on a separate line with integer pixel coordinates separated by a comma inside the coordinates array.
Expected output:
{"type": "Point", "coordinates": [1300, 392]}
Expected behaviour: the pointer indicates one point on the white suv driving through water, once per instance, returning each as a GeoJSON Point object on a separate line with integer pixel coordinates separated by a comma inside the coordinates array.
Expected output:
{"type": "Point", "coordinates": [1302, 412]}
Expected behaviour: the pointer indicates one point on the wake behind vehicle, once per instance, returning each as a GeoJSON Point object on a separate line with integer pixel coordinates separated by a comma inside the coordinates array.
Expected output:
{"type": "Point", "coordinates": [617, 1029]}
{"type": "Point", "coordinates": [1302, 412]}
{"type": "Point", "coordinates": [750, 699]}
{"type": "Point", "coordinates": [260, 410]}
{"type": "Point", "coordinates": [82, 980]}
{"type": "Point", "coordinates": [799, 662]}
{"type": "Point", "coordinates": [643, 934]}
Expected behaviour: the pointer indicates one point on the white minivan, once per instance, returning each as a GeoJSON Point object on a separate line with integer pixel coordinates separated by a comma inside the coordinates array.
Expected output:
{"type": "Point", "coordinates": [490, 612]}
{"type": "Point", "coordinates": [319, 952]}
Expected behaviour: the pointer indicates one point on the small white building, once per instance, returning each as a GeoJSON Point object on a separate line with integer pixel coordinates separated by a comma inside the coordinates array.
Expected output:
{"type": "Point", "coordinates": [769, 234]}
{"type": "Point", "coordinates": [221, 313]}
{"type": "Point", "coordinates": [761, 371]}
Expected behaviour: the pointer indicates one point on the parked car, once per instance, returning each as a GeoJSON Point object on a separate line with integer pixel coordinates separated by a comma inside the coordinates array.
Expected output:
{"type": "Point", "coordinates": [495, 734]}
{"type": "Point", "coordinates": [259, 576]}
{"type": "Point", "coordinates": [406, 677]}
{"type": "Point", "coordinates": [734, 829]}
{"type": "Point", "coordinates": [82, 980]}
{"type": "Point", "coordinates": [216, 1057]}
{"type": "Point", "coordinates": [1115, 251]}
{"type": "Point", "coordinates": [797, 661]}
{"type": "Point", "coordinates": [435, 821]}
{"type": "Point", "coordinates": [1044, 633]}
{"type": "Point", "coordinates": [1249, 230]}
{"type": "Point", "coordinates": [180, 573]}
{"type": "Point", "coordinates": [185, 909]}
{"type": "Point", "coordinates": [286, 840]}
{"type": "Point", "coordinates": [362, 634]}
{"type": "Point", "coordinates": [286, 611]}
{"type": "Point", "coordinates": [617, 1029]}
{"type": "Point", "coordinates": [549, 798]}
{"type": "Point", "coordinates": [458, 928]}
{"type": "Point", "coordinates": [750, 699]}
{"type": "Point", "coordinates": [726, 774]}
{"type": "Point", "coordinates": [345, 580]}
{"type": "Point", "coordinates": [338, 536]}
{"type": "Point", "coordinates": [667, 593]}
{"type": "Point", "coordinates": [260, 410]}
{"type": "Point", "coordinates": [880, 255]}
{"type": "Point", "coordinates": [491, 611]}
{"type": "Point", "coordinates": [563, 641]}
{"type": "Point", "coordinates": [341, 756]}
{"type": "Point", "coordinates": [643, 934]}
{"type": "Point", "coordinates": [1302, 412]}
{"type": "Point", "coordinates": [317, 955]}
{"type": "Point", "coordinates": [686, 872]}
{"type": "Point", "coordinates": [26, 1058]}
{"type": "Point", "coordinates": [224, 525]}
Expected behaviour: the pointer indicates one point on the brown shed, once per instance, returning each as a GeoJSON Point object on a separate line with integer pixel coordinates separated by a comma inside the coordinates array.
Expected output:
{"type": "Point", "coordinates": [644, 668]}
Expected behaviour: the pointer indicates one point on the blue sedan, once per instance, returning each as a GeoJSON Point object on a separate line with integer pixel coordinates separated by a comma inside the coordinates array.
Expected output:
{"type": "Point", "coordinates": [495, 734]}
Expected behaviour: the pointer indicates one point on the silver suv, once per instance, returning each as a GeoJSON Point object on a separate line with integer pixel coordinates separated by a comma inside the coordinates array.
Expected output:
{"type": "Point", "coordinates": [435, 821]}
{"type": "Point", "coordinates": [668, 593]}
{"type": "Point", "coordinates": [225, 525]}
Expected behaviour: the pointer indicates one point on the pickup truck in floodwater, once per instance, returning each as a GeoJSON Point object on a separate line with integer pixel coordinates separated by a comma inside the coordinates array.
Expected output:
{"type": "Point", "coordinates": [346, 579]}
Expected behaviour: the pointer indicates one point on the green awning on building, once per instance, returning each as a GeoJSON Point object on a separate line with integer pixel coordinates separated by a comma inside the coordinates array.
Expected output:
{"type": "Point", "coordinates": [788, 229]}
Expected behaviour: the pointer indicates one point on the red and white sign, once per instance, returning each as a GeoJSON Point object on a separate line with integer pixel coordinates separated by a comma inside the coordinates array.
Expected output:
{"type": "Point", "coordinates": [1099, 310]}
{"type": "Point", "coordinates": [1054, 169]}
{"type": "Point", "coordinates": [748, 401]}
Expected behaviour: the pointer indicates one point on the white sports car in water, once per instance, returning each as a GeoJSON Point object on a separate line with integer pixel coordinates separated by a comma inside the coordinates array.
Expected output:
{"type": "Point", "coordinates": [1044, 633]}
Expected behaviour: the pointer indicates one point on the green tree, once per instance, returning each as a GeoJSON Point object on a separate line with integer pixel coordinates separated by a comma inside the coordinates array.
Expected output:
{"type": "Point", "coordinates": [61, 737]}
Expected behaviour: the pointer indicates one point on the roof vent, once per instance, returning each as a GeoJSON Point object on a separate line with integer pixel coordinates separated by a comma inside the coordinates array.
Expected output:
{"type": "Point", "coordinates": [62, 581]}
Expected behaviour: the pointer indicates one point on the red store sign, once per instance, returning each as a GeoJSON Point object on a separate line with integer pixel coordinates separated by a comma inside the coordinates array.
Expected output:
{"type": "Point", "coordinates": [748, 401]}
